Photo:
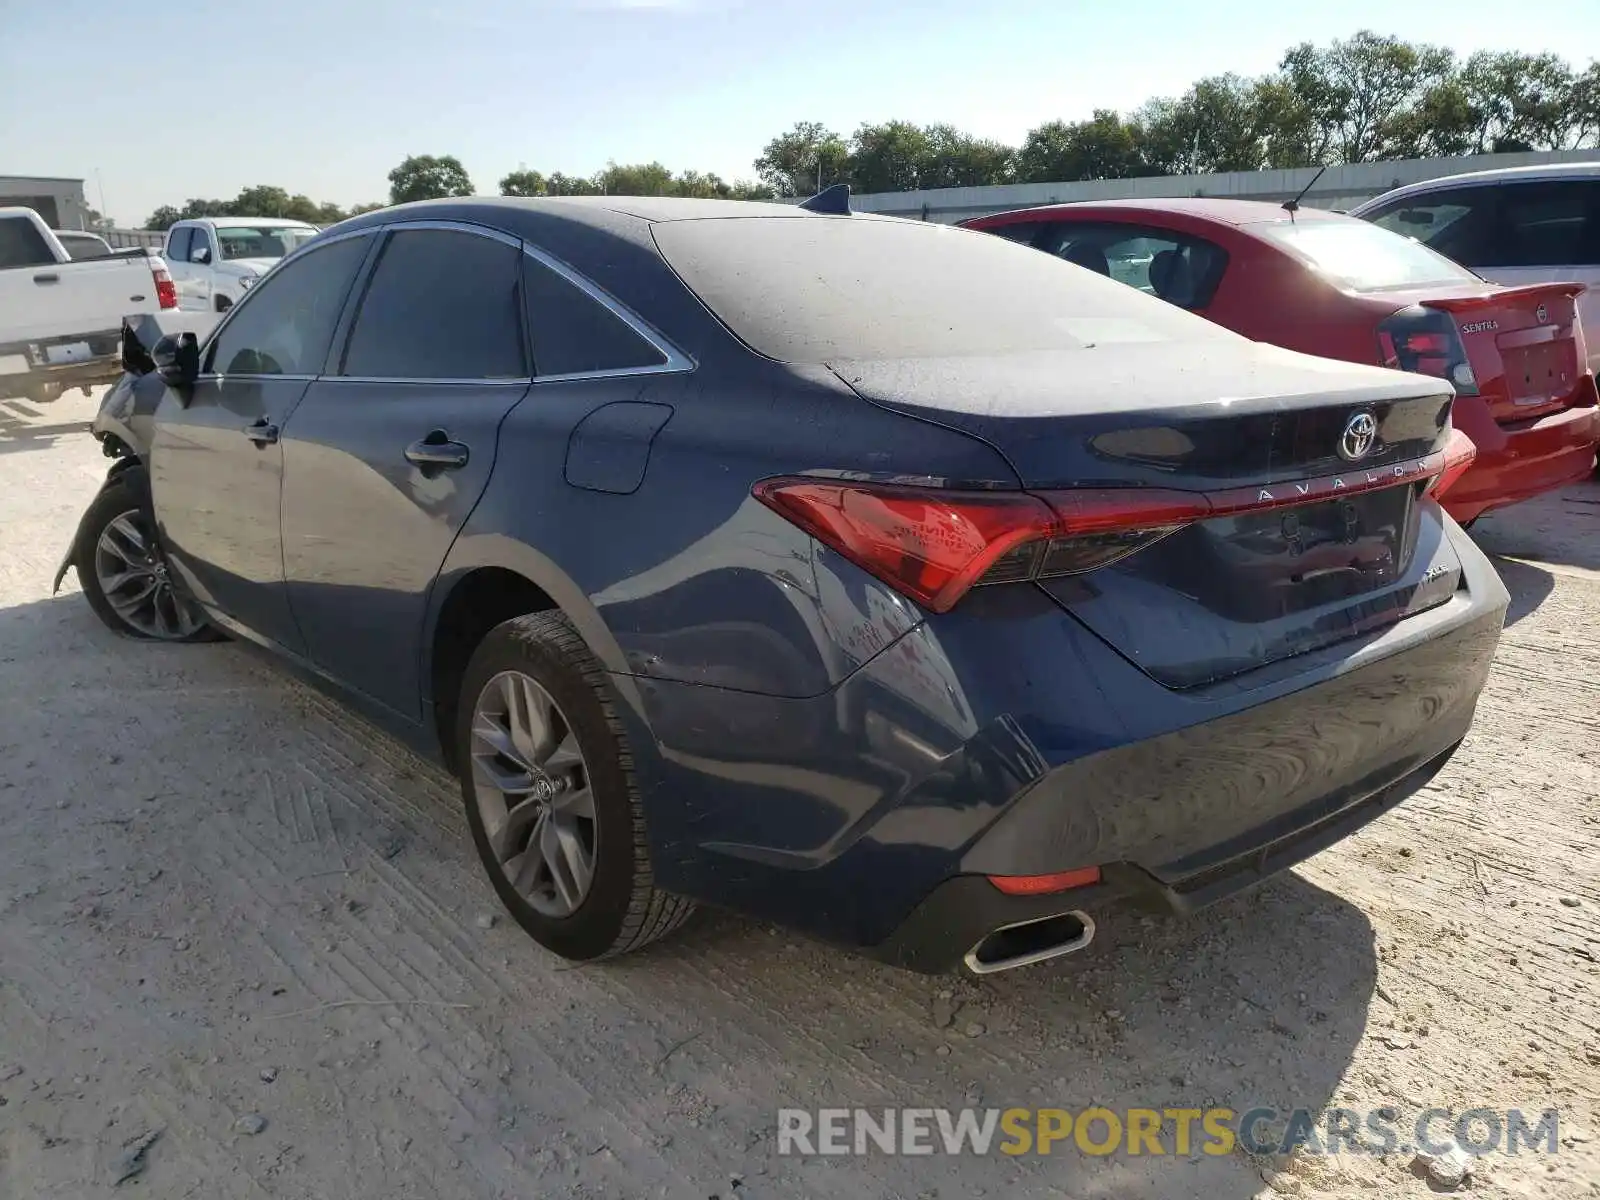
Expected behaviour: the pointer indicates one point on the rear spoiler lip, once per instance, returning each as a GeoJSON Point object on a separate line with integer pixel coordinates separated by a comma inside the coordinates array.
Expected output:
{"type": "Point", "coordinates": [1526, 291]}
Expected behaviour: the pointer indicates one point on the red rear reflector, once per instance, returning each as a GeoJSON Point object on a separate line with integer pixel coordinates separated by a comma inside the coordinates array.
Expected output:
{"type": "Point", "coordinates": [1044, 885]}
{"type": "Point", "coordinates": [166, 290]}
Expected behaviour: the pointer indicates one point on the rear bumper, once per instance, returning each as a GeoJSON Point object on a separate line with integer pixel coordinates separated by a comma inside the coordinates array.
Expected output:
{"type": "Point", "coordinates": [960, 912]}
{"type": "Point", "coordinates": [1005, 738]}
{"type": "Point", "coordinates": [1516, 464]}
{"type": "Point", "coordinates": [103, 364]}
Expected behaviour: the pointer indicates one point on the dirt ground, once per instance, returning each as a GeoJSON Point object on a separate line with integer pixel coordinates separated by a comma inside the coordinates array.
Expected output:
{"type": "Point", "coordinates": [237, 920]}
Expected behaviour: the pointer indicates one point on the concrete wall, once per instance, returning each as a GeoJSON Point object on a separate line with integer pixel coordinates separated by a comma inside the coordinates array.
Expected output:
{"type": "Point", "coordinates": [59, 201]}
{"type": "Point", "coordinates": [1339, 187]}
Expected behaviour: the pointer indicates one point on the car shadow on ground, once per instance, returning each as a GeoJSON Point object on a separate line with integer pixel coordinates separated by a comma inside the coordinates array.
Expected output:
{"type": "Point", "coordinates": [20, 428]}
{"type": "Point", "coordinates": [1261, 1001]}
{"type": "Point", "coordinates": [1561, 529]}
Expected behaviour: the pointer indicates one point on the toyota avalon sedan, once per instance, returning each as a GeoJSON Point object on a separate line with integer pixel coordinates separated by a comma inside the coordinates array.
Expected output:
{"type": "Point", "coordinates": [890, 581]}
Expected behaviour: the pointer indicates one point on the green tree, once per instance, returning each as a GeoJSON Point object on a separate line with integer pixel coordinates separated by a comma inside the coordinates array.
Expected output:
{"type": "Point", "coordinates": [635, 179]}
{"type": "Point", "coordinates": [1215, 126]}
{"type": "Point", "coordinates": [957, 159]}
{"type": "Point", "coordinates": [570, 185]}
{"type": "Point", "coordinates": [426, 177]}
{"type": "Point", "coordinates": [797, 162]}
{"type": "Point", "coordinates": [523, 183]}
{"type": "Point", "coordinates": [262, 202]}
{"type": "Point", "coordinates": [163, 218]}
{"type": "Point", "coordinates": [1104, 147]}
{"type": "Point", "coordinates": [357, 209]}
{"type": "Point", "coordinates": [1363, 93]}
{"type": "Point", "coordinates": [890, 157]}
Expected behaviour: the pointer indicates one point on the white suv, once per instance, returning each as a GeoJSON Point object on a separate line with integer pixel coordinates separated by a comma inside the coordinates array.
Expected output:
{"type": "Point", "coordinates": [1521, 225]}
{"type": "Point", "coordinates": [214, 260]}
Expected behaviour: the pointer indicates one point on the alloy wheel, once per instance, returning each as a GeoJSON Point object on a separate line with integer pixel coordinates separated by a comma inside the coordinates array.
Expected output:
{"type": "Point", "coordinates": [133, 577]}
{"type": "Point", "coordinates": [531, 786]}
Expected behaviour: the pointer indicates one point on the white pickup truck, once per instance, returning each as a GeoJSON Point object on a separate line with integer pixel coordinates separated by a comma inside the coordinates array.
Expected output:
{"type": "Point", "coordinates": [214, 260]}
{"type": "Point", "coordinates": [60, 320]}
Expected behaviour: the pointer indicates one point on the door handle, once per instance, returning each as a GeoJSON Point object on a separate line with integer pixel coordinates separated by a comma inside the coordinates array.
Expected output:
{"type": "Point", "coordinates": [47, 278]}
{"type": "Point", "coordinates": [262, 432]}
{"type": "Point", "coordinates": [438, 452]}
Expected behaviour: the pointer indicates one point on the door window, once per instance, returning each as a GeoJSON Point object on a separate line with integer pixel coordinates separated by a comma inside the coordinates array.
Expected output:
{"type": "Point", "coordinates": [1552, 223]}
{"type": "Point", "coordinates": [21, 245]}
{"type": "Point", "coordinates": [284, 324]}
{"type": "Point", "coordinates": [1177, 268]}
{"type": "Point", "coordinates": [576, 334]}
{"type": "Point", "coordinates": [178, 244]}
{"type": "Point", "coordinates": [440, 304]}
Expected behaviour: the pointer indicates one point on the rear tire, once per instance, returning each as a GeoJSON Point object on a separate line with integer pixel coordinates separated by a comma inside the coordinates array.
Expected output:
{"type": "Point", "coordinates": [551, 799]}
{"type": "Point", "coordinates": [123, 572]}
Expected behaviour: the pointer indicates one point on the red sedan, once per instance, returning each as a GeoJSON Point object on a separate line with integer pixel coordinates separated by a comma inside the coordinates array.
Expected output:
{"type": "Point", "coordinates": [1333, 285]}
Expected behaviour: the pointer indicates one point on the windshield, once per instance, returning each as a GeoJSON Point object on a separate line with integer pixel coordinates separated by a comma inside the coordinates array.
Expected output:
{"type": "Point", "coordinates": [1363, 256]}
{"type": "Point", "coordinates": [262, 241]}
{"type": "Point", "coordinates": [814, 289]}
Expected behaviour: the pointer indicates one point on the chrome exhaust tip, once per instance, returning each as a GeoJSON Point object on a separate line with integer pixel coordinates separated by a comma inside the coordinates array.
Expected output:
{"type": "Point", "coordinates": [1029, 942]}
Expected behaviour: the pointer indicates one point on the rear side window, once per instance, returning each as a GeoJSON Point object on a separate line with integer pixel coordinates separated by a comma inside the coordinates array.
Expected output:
{"type": "Point", "coordinates": [826, 289]}
{"type": "Point", "coordinates": [1361, 256]}
{"type": "Point", "coordinates": [284, 324]}
{"type": "Point", "coordinates": [1553, 223]}
{"type": "Point", "coordinates": [440, 304]}
{"type": "Point", "coordinates": [178, 244]}
{"type": "Point", "coordinates": [575, 334]}
{"type": "Point", "coordinates": [1177, 268]}
{"type": "Point", "coordinates": [21, 245]}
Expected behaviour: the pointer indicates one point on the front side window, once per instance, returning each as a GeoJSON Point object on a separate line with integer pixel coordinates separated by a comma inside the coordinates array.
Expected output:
{"type": "Point", "coordinates": [441, 304]}
{"type": "Point", "coordinates": [1362, 256]}
{"type": "Point", "coordinates": [262, 241]}
{"type": "Point", "coordinates": [575, 334]}
{"type": "Point", "coordinates": [283, 326]}
{"type": "Point", "coordinates": [1551, 224]}
{"type": "Point", "coordinates": [1177, 268]}
{"type": "Point", "coordinates": [178, 244]}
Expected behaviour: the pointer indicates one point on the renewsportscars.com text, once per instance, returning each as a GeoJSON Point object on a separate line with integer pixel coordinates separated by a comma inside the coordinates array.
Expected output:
{"type": "Point", "coordinates": [1160, 1131]}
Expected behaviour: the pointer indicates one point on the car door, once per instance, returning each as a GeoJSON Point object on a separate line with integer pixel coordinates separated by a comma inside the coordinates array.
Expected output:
{"type": "Point", "coordinates": [202, 267]}
{"type": "Point", "coordinates": [176, 253]}
{"type": "Point", "coordinates": [390, 450]}
{"type": "Point", "coordinates": [216, 462]}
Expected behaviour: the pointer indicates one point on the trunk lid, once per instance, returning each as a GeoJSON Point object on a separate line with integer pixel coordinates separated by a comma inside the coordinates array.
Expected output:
{"type": "Point", "coordinates": [1315, 470]}
{"type": "Point", "coordinates": [1525, 345]}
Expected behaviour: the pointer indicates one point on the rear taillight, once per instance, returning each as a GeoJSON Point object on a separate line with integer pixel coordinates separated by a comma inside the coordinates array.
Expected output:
{"type": "Point", "coordinates": [935, 545]}
{"type": "Point", "coordinates": [166, 290]}
{"type": "Point", "coordinates": [1459, 454]}
{"type": "Point", "coordinates": [1425, 341]}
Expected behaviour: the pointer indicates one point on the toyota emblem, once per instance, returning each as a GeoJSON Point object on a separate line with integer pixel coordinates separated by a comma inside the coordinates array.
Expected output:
{"type": "Point", "coordinates": [1360, 431]}
{"type": "Point", "coordinates": [1542, 313]}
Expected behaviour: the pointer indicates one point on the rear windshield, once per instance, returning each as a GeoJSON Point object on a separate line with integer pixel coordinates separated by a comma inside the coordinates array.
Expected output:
{"type": "Point", "coordinates": [1364, 257]}
{"type": "Point", "coordinates": [820, 289]}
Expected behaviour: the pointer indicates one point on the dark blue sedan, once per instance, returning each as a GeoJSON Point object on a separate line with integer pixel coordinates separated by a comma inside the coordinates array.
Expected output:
{"type": "Point", "coordinates": [887, 580]}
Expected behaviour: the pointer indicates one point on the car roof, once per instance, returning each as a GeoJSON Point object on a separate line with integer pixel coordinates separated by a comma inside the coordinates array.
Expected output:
{"type": "Point", "coordinates": [1533, 174]}
{"type": "Point", "coordinates": [1222, 211]}
{"type": "Point", "coordinates": [255, 222]}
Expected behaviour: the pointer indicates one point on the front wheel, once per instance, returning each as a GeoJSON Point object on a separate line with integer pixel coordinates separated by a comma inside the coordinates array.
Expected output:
{"type": "Point", "coordinates": [551, 800]}
{"type": "Point", "coordinates": [124, 574]}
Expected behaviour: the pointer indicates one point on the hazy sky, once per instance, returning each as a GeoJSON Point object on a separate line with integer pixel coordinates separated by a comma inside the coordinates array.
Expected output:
{"type": "Point", "coordinates": [165, 102]}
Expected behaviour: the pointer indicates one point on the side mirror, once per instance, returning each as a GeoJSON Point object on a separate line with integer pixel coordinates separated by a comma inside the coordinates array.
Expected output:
{"type": "Point", "coordinates": [177, 359]}
{"type": "Point", "coordinates": [200, 254]}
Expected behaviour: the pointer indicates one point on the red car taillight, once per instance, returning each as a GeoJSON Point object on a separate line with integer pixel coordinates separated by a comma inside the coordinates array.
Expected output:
{"type": "Point", "coordinates": [935, 545]}
{"type": "Point", "coordinates": [1459, 454]}
{"type": "Point", "coordinates": [166, 290]}
{"type": "Point", "coordinates": [1425, 341]}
